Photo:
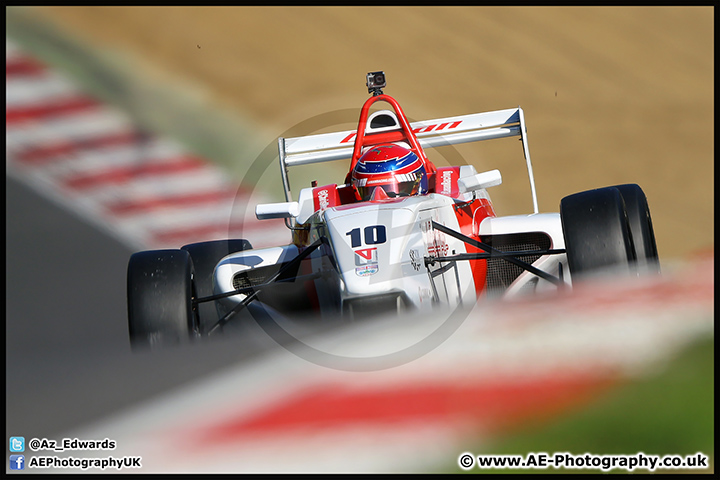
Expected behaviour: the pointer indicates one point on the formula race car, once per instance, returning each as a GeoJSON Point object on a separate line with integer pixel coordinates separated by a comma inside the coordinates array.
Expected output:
{"type": "Point", "coordinates": [400, 234]}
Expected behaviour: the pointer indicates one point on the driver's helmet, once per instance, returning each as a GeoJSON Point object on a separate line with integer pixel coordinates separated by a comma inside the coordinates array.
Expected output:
{"type": "Point", "coordinates": [394, 169]}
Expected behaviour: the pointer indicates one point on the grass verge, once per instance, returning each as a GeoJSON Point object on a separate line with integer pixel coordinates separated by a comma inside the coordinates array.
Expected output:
{"type": "Point", "coordinates": [671, 412]}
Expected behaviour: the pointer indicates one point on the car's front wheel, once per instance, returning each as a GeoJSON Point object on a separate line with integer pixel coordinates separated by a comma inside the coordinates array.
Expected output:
{"type": "Point", "coordinates": [159, 294]}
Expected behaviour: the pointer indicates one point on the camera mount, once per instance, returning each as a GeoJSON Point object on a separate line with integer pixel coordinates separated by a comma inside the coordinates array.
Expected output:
{"type": "Point", "coordinates": [375, 83]}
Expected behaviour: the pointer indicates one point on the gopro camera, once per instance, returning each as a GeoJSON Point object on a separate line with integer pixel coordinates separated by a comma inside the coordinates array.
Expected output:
{"type": "Point", "coordinates": [375, 82]}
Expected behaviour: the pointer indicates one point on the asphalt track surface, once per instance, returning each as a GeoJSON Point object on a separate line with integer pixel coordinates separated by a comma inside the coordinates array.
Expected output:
{"type": "Point", "coordinates": [68, 356]}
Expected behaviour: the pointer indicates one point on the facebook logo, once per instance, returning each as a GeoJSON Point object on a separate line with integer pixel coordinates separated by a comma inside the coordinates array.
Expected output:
{"type": "Point", "coordinates": [17, 444]}
{"type": "Point", "coordinates": [17, 462]}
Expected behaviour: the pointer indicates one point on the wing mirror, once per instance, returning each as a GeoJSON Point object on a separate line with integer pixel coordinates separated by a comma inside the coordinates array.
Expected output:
{"type": "Point", "coordinates": [480, 181]}
{"type": "Point", "coordinates": [265, 211]}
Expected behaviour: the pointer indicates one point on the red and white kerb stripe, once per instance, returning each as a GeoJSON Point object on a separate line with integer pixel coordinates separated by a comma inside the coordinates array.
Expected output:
{"type": "Point", "coordinates": [147, 190]}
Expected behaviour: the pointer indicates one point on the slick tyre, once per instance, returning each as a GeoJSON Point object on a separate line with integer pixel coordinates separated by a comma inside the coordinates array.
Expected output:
{"type": "Point", "coordinates": [159, 295]}
{"type": "Point", "coordinates": [597, 232]}
{"type": "Point", "coordinates": [641, 229]}
{"type": "Point", "coordinates": [205, 256]}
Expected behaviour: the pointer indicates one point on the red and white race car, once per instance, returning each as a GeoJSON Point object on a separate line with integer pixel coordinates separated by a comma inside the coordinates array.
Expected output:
{"type": "Point", "coordinates": [400, 234]}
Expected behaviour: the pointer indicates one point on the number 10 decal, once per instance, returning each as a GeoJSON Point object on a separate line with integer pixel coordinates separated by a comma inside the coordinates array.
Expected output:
{"type": "Point", "coordinates": [373, 235]}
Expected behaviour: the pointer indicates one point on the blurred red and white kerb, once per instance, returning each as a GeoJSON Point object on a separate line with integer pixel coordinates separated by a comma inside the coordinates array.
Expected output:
{"type": "Point", "coordinates": [145, 189]}
{"type": "Point", "coordinates": [507, 363]}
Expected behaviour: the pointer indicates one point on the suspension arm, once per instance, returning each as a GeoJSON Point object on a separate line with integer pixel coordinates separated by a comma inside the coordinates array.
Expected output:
{"type": "Point", "coordinates": [255, 290]}
{"type": "Point", "coordinates": [508, 256]}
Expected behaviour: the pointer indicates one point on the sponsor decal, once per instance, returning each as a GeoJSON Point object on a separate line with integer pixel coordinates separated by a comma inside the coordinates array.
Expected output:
{"type": "Point", "coordinates": [365, 255]}
{"type": "Point", "coordinates": [325, 197]}
{"type": "Point", "coordinates": [406, 177]}
{"type": "Point", "coordinates": [415, 260]}
{"type": "Point", "coordinates": [439, 249]}
{"type": "Point", "coordinates": [366, 261]}
{"type": "Point", "coordinates": [366, 270]}
{"type": "Point", "coordinates": [323, 200]}
{"type": "Point", "coordinates": [428, 128]}
{"type": "Point", "coordinates": [434, 239]}
{"type": "Point", "coordinates": [446, 182]}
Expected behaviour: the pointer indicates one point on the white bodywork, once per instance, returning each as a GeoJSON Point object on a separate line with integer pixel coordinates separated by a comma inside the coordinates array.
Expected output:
{"type": "Point", "coordinates": [395, 265]}
{"type": "Point", "coordinates": [548, 223]}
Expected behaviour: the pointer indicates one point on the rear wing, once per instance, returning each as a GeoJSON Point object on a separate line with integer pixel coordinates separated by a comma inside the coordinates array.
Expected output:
{"type": "Point", "coordinates": [327, 147]}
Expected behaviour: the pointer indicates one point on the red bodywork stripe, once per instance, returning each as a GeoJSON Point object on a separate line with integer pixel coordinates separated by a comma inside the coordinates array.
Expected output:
{"type": "Point", "coordinates": [467, 217]}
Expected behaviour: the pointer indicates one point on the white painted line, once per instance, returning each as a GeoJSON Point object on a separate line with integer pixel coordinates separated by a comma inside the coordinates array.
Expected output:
{"type": "Point", "coordinates": [32, 90]}
{"type": "Point", "coordinates": [155, 151]}
{"type": "Point", "coordinates": [203, 180]}
{"type": "Point", "coordinates": [75, 127]}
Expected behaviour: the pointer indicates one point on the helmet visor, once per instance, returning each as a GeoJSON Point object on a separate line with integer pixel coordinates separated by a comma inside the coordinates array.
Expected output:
{"type": "Point", "coordinates": [392, 188]}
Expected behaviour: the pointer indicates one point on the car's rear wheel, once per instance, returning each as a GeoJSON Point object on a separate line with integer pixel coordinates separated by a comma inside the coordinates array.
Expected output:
{"type": "Point", "coordinates": [597, 232]}
{"type": "Point", "coordinates": [159, 295]}
{"type": "Point", "coordinates": [641, 228]}
{"type": "Point", "coordinates": [205, 256]}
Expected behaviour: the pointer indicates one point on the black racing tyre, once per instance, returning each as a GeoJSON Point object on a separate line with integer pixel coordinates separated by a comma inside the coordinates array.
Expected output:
{"type": "Point", "coordinates": [597, 232]}
{"type": "Point", "coordinates": [641, 228]}
{"type": "Point", "coordinates": [159, 295]}
{"type": "Point", "coordinates": [205, 256]}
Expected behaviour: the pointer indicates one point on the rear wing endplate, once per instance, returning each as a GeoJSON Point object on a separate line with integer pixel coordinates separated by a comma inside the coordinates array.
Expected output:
{"type": "Point", "coordinates": [327, 147]}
